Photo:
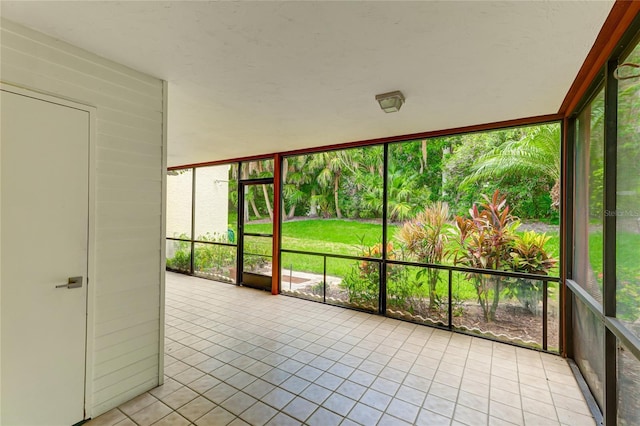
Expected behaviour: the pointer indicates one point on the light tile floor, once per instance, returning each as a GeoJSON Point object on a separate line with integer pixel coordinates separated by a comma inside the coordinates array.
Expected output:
{"type": "Point", "coordinates": [237, 356]}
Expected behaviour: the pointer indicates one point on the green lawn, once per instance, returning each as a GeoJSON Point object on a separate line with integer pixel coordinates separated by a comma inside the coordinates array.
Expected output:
{"type": "Point", "coordinates": [331, 236]}
{"type": "Point", "coordinates": [627, 271]}
{"type": "Point", "coordinates": [348, 237]}
{"type": "Point", "coordinates": [335, 236]}
{"type": "Point", "coordinates": [339, 236]}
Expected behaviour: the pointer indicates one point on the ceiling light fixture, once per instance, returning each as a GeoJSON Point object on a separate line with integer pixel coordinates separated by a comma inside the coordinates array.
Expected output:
{"type": "Point", "coordinates": [390, 102]}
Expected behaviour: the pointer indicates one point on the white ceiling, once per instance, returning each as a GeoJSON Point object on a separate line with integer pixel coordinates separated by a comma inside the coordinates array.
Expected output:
{"type": "Point", "coordinates": [248, 78]}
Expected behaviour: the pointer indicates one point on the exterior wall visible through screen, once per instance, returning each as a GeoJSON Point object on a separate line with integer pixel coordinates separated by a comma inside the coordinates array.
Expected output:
{"type": "Point", "coordinates": [211, 207]}
{"type": "Point", "coordinates": [212, 202]}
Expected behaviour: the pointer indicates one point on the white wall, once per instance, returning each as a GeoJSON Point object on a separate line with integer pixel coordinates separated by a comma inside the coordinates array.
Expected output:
{"type": "Point", "coordinates": [212, 202]}
{"type": "Point", "coordinates": [129, 235]}
{"type": "Point", "coordinates": [179, 194]}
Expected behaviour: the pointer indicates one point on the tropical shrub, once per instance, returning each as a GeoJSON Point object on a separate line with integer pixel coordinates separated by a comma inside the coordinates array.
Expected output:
{"type": "Point", "coordinates": [484, 242]}
{"type": "Point", "coordinates": [181, 260]}
{"type": "Point", "coordinates": [214, 258]}
{"type": "Point", "coordinates": [362, 283]}
{"type": "Point", "coordinates": [528, 255]}
{"type": "Point", "coordinates": [488, 240]}
{"type": "Point", "coordinates": [179, 255]}
{"type": "Point", "coordinates": [425, 238]}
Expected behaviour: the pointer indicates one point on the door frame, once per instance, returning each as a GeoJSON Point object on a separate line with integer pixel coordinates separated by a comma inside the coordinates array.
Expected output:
{"type": "Point", "coordinates": [91, 234]}
{"type": "Point", "coordinates": [242, 184]}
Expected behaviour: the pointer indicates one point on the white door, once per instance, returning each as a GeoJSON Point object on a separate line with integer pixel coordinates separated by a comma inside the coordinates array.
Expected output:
{"type": "Point", "coordinates": [44, 228]}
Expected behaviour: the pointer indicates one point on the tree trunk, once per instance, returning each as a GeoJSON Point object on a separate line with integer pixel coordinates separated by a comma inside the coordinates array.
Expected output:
{"type": "Point", "coordinates": [292, 211]}
{"type": "Point", "coordinates": [555, 196]}
{"type": "Point", "coordinates": [482, 289]}
{"type": "Point", "coordinates": [496, 298]}
{"type": "Point", "coordinates": [336, 186]}
{"type": "Point", "coordinates": [423, 163]}
{"type": "Point", "coordinates": [313, 209]}
{"type": "Point", "coordinates": [433, 282]}
{"type": "Point", "coordinates": [285, 169]}
{"type": "Point", "coordinates": [445, 151]}
{"type": "Point", "coordinates": [266, 200]}
{"type": "Point", "coordinates": [255, 209]}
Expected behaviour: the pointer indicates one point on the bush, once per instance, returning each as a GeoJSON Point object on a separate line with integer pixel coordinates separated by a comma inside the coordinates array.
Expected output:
{"type": "Point", "coordinates": [488, 240]}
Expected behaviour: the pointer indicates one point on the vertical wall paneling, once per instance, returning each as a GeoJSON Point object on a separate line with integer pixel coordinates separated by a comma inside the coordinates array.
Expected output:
{"type": "Point", "coordinates": [129, 172]}
{"type": "Point", "coordinates": [163, 227]}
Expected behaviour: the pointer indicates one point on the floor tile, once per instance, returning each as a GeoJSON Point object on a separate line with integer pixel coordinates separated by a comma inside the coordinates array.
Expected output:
{"type": "Point", "coordinates": [240, 380]}
{"type": "Point", "coordinates": [411, 395]}
{"type": "Point", "coordinates": [259, 388]}
{"type": "Point", "coordinates": [469, 416]}
{"type": "Point", "coordinates": [151, 414]}
{"type": "Point", "coordinates": [339, 404]}
{"type": "Point", "coordinates": [506, 412]}
{"type": "Point", "coordinates": [300, 408]}
{"type": "Point", "coordinates": [439, 405]}
{"type": "Point", "coordinates": [291, 365]}
{"type": "Point", "coordinates": [238, 422]}
{"type": "Point", "coordinates": [188, 375]}
{"type": "Point", "coordinates": [324, 417]}
{"type": "Point", "coordinates": [505, 397]}
{"type": "Point", "coordinates": [173, 419]}
{"type": "Point", "coordinates": [238, 403]}
{"type": "Point", "coordinates": [278, 398]}
{"type": "Point", "coordinates": [351, 390]}
{"type": "Point", "coordinates": [209, 365]}
{"type": "Point", "coordinates": [295, 384]}
{"type": "Point", "coordinates": [403, 410]}
{"type": "Point", "coordinates": [316, 393]}
{"type": "Point", "coordinates": [165, 389]}
{"type": "Point", "coordinates": [365, 414]}
{"type": "Point", "coordinates": [178, 398]}
{"type": "Point", "coordinates": [203, 384]}
{"type": "Point", "coordinates": [282, 419]}
{"type": "Point", "coordinates": [289, 361]}
{"type": "Point", "coordinates": [220, 392]}
{"type": "Point", "coordinates": [388, 420]}
{"type": "Point", "coordinates": [258, 414]}
{"type": "Point", "coordinates": [309, 373]}
{"type": "Point", "coordinates": [329, 381]}
{"type": "Point", "coordinates": [539, 408]}
{"type": "Point", "coordinates": [571, 404]}
{"type": "Point", "coordinates": [362, 378]}
{"type": "Point", "coordinates": [196, 408]}
{"type": "Point", "coordinates": [109, 418]}
{"type": "Point", "coordinates": [276, 376]}
{"type": "Point", "coordinates": [137, 404]}
{"type": "Point", "coordinates": [572, 418]}
{"type": "Point", "coordinates": [376, 399]}
{"type": "Point", "coordinates": [385, 386]}
{"type": "Point", "coordinates": [532, 419]}
{"type": "Point", "coordinates": [216, 417]}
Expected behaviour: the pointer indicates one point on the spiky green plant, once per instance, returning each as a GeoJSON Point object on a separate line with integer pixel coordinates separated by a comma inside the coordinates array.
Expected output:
{"type": "Point", "coordinates": [426, 238]}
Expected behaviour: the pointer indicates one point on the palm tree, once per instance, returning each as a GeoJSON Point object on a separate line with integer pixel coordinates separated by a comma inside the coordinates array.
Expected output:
{"type": "Point", "coordinates": [537, 153]}
{"type": "Point", "coordinates": [294, 176]}
{"type": "Point", "coordinates": [332, 165]}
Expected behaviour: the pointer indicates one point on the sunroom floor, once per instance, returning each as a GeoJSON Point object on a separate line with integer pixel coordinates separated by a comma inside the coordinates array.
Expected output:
{"type": "Point", "coordinates": [240, 356]}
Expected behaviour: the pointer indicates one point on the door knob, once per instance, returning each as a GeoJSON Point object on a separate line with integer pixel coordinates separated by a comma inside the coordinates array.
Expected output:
{"type": "Point", "coordinates": [74, 282]}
